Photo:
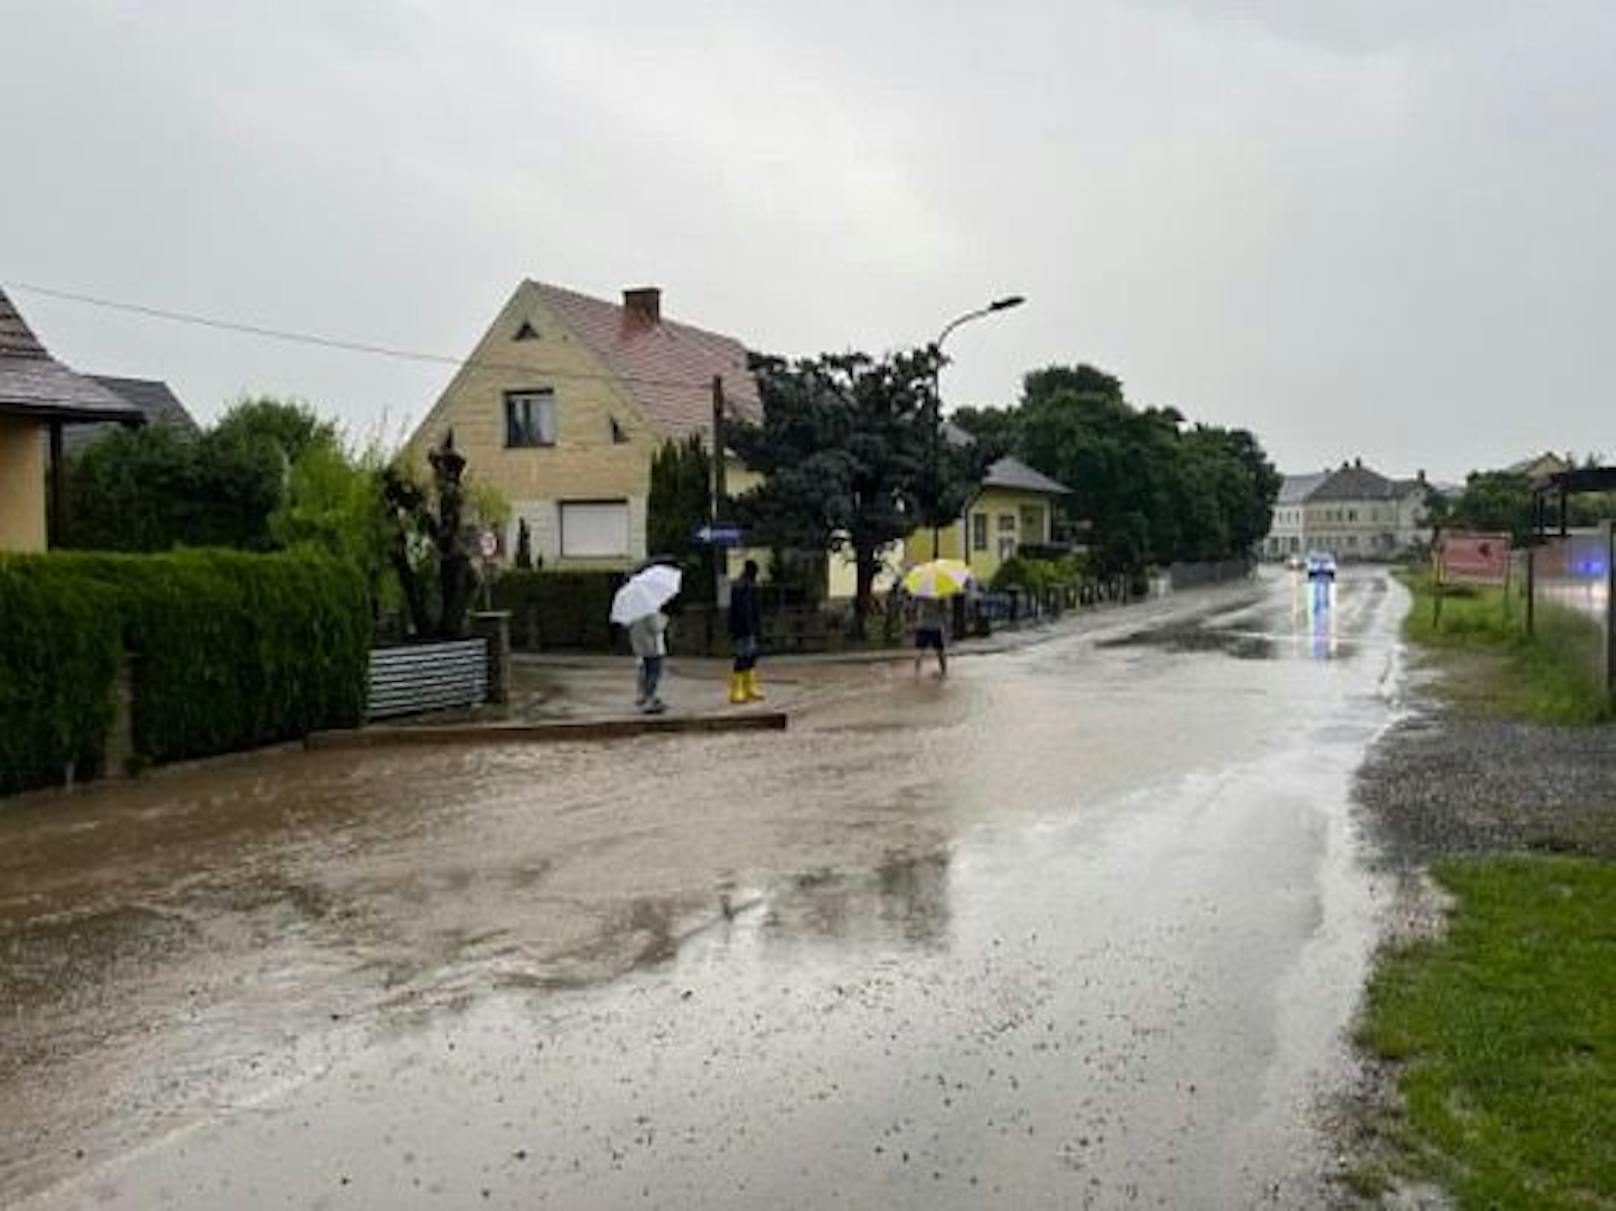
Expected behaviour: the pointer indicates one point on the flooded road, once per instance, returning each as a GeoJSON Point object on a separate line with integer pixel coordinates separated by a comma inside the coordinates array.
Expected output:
{"type": "Point", "coordinates": [1082, 926]}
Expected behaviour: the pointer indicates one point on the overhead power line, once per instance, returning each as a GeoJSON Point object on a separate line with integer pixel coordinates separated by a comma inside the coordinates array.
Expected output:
{"type": "Point", "coordinates": [327, 342]}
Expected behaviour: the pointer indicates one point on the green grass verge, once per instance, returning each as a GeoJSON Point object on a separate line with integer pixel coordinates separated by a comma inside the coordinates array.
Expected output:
{"type": "Point", "coordinates": [1547, 677]}
{"type": "Point", "coordinates": [1505, 1033]}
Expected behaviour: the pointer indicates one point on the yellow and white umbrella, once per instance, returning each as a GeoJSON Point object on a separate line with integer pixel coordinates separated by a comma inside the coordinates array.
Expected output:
{"type": "Point", "coordinates": [938, 579]}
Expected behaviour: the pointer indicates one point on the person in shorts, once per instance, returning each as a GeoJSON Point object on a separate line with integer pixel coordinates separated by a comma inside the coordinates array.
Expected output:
{"type": "Point", "coordinates": [931, 633]}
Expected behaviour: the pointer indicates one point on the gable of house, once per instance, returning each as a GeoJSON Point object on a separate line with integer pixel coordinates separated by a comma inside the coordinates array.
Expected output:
{"type": "Point", "coordinates": [563, 404]}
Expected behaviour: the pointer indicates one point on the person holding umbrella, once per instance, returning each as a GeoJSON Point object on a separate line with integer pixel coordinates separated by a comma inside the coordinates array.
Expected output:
{"type": "Point", "coordinates": [638, 606]}
{"type": "Point", "coordinates": [932, 584]}
{"type": "Point", "coordinates": [746, 631]}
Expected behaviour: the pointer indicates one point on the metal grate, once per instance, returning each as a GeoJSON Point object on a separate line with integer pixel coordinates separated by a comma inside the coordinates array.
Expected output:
{"type": "Point", "coordinates": [428, 677]}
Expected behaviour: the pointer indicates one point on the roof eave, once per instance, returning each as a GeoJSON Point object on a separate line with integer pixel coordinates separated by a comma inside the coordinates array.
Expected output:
{"type": "Point", "coordinates": [72, 414]}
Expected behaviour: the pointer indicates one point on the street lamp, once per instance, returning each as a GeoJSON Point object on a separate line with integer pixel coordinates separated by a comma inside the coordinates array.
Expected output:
{"type": "Point", "coordinates": [1004, 304]}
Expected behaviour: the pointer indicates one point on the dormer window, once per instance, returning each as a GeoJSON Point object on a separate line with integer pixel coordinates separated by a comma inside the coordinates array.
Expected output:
{"type": "Point", "coordinates": [619, 434]}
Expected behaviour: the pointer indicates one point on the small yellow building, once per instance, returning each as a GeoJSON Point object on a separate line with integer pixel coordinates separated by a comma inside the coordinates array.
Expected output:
{"type": "Point", "coordinates": [38, 397]}
{"type": "Point", "coordinates": [563, 405]}
{"type": "Point", "coordinates": [1015, 507]}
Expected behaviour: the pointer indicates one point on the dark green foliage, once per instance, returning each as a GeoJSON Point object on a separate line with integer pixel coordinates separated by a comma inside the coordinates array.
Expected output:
{"type": "Point", "coordinates": [524, 546]}
{"type": "Point", "coordinates": [996, 429]}
{"type": "Point", "coordinates": [1493, 502]}
{"type": "Point", "coordinates": [681, 487]}
{"type": "Point", "coordinates": [59, 642]}
{"type": "Point", "coordinates": [291, 427]}
{"type": "Point", "coordinates": [681, 477]}
{"type": "Point", "coordinates": [159, 487]}
{"type": "Point", "coordinates": [231, 650]}
{"type": "Point", "coordinates": [1152, 489]}
{"type": "Point", "coordinates": [559, 609]}
{"type": "Point", "coordinates": [844, 447]}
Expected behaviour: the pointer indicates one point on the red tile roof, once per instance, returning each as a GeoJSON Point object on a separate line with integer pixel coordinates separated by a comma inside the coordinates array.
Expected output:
{"type": "Point", "coordinates": [665, 367]}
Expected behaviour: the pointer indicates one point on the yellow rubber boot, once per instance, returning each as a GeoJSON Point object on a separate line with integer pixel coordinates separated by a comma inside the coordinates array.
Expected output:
{"type": "Point", "coordinates": [737, 688]}
{"type": "Point", "coordinates": [753, 694]}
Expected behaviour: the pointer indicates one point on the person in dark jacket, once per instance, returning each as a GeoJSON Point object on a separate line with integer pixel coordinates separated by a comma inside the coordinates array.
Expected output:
{"type": "Point", "coordinates": [745, 630]}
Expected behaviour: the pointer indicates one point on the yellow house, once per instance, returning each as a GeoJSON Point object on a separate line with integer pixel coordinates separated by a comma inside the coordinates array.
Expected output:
{"type": "Point", "coordinates": [566, 399]}
{"type": "Point", "coordinates": [563, 405]}
{"type": "Point", "coordinates": [1014, 507]}
{"type": "Point", "coordinates": [38, 397]}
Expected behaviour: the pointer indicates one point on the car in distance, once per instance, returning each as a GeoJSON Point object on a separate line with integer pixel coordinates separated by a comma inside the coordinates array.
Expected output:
{"type": "Point", "coordinates": [1320, 565]}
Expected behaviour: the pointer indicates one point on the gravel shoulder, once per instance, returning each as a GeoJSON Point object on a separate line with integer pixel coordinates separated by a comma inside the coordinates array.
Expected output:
{"type": "Point", "coordinates": [1448, 781]}
{"type": "Point", "coordinates": [1452, 780]}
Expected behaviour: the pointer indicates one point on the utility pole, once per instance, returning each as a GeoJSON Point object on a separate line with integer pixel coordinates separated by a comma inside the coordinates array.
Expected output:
{"type": "Point", "coordinates": [718, 506]}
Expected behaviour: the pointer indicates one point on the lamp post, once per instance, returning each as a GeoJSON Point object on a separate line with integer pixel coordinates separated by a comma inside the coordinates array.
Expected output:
{"type": "Point", "coordinates": [1003, 304]}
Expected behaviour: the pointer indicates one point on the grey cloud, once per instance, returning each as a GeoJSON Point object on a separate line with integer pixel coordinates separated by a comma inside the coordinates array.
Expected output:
{"type": "Point", "coordinates": [1356, 228]}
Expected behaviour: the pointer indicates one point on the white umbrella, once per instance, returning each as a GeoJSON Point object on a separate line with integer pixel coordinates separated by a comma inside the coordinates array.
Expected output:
{"type": "Point", "coordinates": [645, 592]}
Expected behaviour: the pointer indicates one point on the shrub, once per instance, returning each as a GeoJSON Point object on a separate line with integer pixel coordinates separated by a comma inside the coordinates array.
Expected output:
{"type": "Point", "coordinates": [1034, 575]}
{"type": "Point", "coordinates": [231, 651]}
{"type": "Point", "coordinates": [58, 655]}
{"type": "Point", "coordinates": [558, 609]}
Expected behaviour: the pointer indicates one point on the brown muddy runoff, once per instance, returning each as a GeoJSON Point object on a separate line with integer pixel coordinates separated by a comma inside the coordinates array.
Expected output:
{"type": "Point", "coordinates": [1081, 926]}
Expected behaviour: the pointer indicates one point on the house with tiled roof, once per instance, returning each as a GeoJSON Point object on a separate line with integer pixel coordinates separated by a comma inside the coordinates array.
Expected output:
{"type": "Point", "coordinates": [564, 403]}
{"type": "Point", "coordinates": [566, 399]}
{"type": "Point", "coordinates": [39, 399]}
{"type": "Point", "coordinates": [1354, 512]}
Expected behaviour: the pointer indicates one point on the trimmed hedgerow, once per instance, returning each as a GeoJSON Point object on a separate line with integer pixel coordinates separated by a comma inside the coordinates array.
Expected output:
{"type": "Point", "coordinates": [59, 640]}
{"type": "Point", "coordinates": [231, 650]}
{"type": "Point", "coordinates": [558, 609]}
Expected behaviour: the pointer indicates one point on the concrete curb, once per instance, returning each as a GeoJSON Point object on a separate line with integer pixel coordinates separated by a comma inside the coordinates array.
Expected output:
{"type": "Point", "coordinates": [561, 732]}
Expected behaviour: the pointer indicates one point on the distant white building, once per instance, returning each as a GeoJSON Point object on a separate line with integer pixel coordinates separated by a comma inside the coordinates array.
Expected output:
{"type": "Point", "coordinates": [1352, 512]}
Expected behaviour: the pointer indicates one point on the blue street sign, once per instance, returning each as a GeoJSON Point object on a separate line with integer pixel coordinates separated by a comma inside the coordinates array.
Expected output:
{"type": "Point", "coordinates": [720, 535]}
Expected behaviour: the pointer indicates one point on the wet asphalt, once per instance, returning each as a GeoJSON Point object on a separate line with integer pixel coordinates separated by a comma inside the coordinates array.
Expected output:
{"type": "Point", "coordinates": [1084, 925]}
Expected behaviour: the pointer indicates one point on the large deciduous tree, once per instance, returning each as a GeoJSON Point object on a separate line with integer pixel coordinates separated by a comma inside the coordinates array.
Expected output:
{"type": "Point", "coordinates": [848, 451]}
{"type": "Point", "coordinates": [1152, 488]}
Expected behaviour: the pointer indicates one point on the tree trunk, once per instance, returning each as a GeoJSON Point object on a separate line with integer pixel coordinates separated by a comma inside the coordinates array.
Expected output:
{"type": "Point", "coordinates": [864, 598]}
{"type": "Point", "coordinates": [415, 607]}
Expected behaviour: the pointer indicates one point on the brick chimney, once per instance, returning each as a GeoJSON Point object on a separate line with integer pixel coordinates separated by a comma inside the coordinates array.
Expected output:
{"type": "Point", "coordinates": [642, 306]}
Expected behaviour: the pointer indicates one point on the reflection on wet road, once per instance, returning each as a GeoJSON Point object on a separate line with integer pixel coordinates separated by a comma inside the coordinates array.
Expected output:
{"type": "Point", "coordinates": [1081, 926]}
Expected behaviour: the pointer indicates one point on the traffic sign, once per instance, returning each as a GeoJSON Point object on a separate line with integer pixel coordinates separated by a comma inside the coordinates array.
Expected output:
{"type": "Point", "coordinates": [488, 542]}
{"type": "Point", "coordinates": [720, 534]}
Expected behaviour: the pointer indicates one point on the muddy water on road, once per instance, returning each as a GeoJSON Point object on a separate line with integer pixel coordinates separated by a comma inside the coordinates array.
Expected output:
{"type": "Point", "coordinates": [1080, 927]}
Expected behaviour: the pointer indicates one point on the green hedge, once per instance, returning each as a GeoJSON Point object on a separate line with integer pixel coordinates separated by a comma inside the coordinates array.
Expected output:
{"type": "Point", "coordinates": [232, 650]}
{"type": "Point", "coordinates": [558, 609]}
{"type": "Point", "coordinates": [59, 635]}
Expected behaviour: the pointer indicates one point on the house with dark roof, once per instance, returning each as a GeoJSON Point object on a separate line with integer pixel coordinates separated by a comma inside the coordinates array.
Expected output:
{"type": "Point", "coordinates": [1013, 508]}
{"type": "Point", "coordinates": [157, 403]}
{"type": "Point", "coordinates": [40, 399]}
{"type": "Point", "coordinates": [1353, 512]}
{"type": "Point", "coordinates": [564, 403]}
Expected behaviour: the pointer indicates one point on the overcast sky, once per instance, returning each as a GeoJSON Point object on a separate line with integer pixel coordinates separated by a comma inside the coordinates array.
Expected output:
{"type": "Point", "coordinates": [1358, 227]}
